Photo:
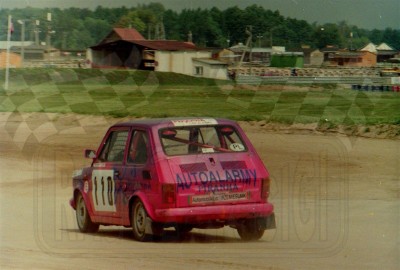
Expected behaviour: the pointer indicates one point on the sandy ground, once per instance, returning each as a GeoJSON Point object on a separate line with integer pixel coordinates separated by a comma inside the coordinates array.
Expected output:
{"type": "Point", "coordinates": [336, 199]}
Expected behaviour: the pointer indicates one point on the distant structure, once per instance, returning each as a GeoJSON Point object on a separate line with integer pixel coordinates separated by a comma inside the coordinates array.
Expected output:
{"type": "Point", "coordinates": [383, 51]}
{"type": "Point", "coordinates": [14, 60]}
{"type": "Point", "coordinates": [127, 48]}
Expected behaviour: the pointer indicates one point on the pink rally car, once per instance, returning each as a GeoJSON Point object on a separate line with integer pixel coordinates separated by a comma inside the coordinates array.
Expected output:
{"type": "Point", "coordinates": [178, 172]}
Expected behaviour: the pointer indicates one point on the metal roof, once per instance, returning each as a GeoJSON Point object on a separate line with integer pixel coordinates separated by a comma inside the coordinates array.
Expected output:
{"type": "Point", "coordinates": [132, 36]}
{"type": "Point", "coordinates": [347, 55]}
{"type": "Point", "coordinates": [159, 45]}
{"type": "Point", "coordinates": [128, 34]}
{"type": "Point", "coordinates": [370, 47]}
{"type": "Point", "coordinates": [329, 49]}
{"type": "Point", "coordinates": [165, 45]}
{"type": "Point", "coordinates": [384, 47]}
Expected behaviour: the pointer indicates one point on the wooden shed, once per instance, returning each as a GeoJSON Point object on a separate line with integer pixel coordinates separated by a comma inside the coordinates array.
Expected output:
{"type": "Point", "coordinates": [14, 60]}
{"type": "Point", "coordinates": [126, 48]}
{"type": "Point", "coordinates": [353, 59]}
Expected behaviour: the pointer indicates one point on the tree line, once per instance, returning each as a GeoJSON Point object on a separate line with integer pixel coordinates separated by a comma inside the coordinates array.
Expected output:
{"type": "Point", "coordinates": [77, 29]}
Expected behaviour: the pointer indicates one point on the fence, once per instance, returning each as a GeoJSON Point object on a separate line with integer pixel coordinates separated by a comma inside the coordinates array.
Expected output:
{"type": "Point", "coordinates": [257, 80]}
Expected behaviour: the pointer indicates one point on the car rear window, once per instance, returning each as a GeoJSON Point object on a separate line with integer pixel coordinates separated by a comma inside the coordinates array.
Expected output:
{"type": "Point", "coordinates": [201, 140]}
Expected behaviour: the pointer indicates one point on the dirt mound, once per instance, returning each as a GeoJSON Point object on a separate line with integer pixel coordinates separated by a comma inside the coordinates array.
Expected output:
{"type": "Point", "coordinates": [374, 131]}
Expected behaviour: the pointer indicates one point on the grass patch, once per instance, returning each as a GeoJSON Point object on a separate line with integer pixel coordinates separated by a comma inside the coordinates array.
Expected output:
{"type": "Point", "coordinates": [120, 93]}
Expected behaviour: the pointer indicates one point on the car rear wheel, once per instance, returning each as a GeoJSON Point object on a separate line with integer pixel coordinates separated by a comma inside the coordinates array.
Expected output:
{"type": "Point", "coordinates": [85, 224]}
{"type": "Point", "coordinates": [138, 220]}
{"type": "Point", "coordinates": [251, 230]}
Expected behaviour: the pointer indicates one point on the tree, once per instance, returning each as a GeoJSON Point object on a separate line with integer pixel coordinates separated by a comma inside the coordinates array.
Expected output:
{"type": "Point", "coordinates": [171, 25]}
{"type": "Point", "coordinates": [75, 28]}
{"type": "Point", "coordinates": [255, 16]}
{"type": "Point", "coordinates": [391, 37]}
{"type": "Point", "coordinates": [150, 20]}
{"type": "Point", "coordinates": [327, 34]}
{"type": "Point", "coordinates": [235, 25]}
{"type": "Point", "coordinates": [97, 28]}
{"type": "Point", "coordinates": [157, 9]}
{"type": "Point", "coordinates": [131, 20]}
{"type": "Point", "coordinates": [376, 36]}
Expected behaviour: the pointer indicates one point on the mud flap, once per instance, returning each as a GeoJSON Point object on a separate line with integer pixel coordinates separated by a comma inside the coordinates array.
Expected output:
{"type": "Point", "coordinates": [270, 222]}
{"type": "Point", "coordinates": [153, 228]}
{"type": "Point", "coordinates": [267, 223]}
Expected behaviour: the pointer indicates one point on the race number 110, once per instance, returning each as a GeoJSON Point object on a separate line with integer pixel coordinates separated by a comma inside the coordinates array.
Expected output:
{"type": "Point", "coordinates": [103, 190]}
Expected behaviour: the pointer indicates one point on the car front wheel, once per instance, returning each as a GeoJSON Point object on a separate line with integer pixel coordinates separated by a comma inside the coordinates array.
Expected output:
{"type": "Point", "coordinates": [85, 224]}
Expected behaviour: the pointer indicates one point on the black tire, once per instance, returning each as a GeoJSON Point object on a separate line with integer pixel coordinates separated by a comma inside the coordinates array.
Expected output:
{"type": "Point", "coordinates": [250, 230]}
{"type": "Point", "coordinates": [138, 221]}
{"type": "Point", "coordinates": [182, 229]}
{"type": "Point", "coordinates": [158, 231]}
{"type": "Point", "coordinates": [83, 220]}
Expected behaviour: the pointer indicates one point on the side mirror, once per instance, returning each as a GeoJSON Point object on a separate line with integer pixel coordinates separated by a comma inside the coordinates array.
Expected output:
{"type": "Point", "coordinates": [90, 154]}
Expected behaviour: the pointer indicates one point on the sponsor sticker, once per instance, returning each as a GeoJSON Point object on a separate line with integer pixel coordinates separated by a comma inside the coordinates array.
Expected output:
{"type": "Point", "coordinates": [99, 165]}
{"type": "Point", "coordinates": [237, 147]}
{"type": "Point", "coordinates": [219, 197]}
{"type": "Point", "coordinates": [207, 150]}
{"type": "Point", "coordinates": [194, 122]}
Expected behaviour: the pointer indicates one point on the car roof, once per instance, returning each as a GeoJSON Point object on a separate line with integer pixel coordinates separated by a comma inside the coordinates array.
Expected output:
{"type": "Point", "coordinates": [175, 122]}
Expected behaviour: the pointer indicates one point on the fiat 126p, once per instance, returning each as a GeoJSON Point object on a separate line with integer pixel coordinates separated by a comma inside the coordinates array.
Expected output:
{"type": "Point", "coordinates": [182, 173]}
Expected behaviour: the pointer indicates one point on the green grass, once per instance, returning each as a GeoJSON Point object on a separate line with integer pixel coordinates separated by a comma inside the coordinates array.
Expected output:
{"type": "Point", "coordinates": [122, 93]}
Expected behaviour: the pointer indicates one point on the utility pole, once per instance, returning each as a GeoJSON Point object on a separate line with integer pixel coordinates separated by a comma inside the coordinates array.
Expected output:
{"type": "Point", "coordinates": [64, 40]}
{"type": "Point", "coordinates": [37, 23]}
{"type": "Point", "coordinates": [9, 31]}
{"type": "Point", "coordinates": [351, 41]}
{"type": "Point", "coordinates": [259, 40]}
{"type": "Point", "coordinates": [48, 39]}
{"type": "Point", "coordinates": [22, 22]}
{"type": "Point", "coordinates": [248, 31]}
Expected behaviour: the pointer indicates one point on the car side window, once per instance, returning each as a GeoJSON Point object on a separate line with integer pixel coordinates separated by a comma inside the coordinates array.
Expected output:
{"type": "Point", "coordinates": [138, 148]}
{"type": "Point", "coordinates": [113, 150]}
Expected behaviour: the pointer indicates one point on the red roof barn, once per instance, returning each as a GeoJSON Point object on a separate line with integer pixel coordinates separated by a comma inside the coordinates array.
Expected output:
{"type": "Point", "coordinates": [127, 48]}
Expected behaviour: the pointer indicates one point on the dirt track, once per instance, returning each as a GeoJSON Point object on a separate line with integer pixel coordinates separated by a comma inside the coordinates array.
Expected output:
{"type": "Point", "coordinates": [336, 199]}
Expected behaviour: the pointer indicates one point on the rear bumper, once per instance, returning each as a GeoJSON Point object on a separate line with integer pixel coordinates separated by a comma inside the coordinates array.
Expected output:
{"type": "Point", "coordinates": [215, 212]}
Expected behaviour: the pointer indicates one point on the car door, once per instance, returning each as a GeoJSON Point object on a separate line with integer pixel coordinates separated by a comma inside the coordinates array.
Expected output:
{"type": "Point", "coordinates": [108, 173]}
{"type": "Point", "coordinates": [140, 172]}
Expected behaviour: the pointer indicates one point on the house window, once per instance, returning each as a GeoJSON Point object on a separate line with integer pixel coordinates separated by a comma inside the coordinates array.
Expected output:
{"type": "Point", "coordinates": [198, 70]}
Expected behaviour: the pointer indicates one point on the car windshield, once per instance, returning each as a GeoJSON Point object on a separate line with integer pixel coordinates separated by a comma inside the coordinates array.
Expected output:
{"type": "Point", "coordinates": [201, 139]}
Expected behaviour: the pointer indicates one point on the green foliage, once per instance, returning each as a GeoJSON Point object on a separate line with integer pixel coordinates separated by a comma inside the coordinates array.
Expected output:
{"type": "Point", "coordinates": [80, 28]}
{"type": "Point", "coordinates": [131, 20]}
{"type": "Point", "coordinates": [328, 34]}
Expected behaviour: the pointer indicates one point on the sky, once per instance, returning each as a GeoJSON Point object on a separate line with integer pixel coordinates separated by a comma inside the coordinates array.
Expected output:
{"type": "Point", "coordinates": [368, 14]}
